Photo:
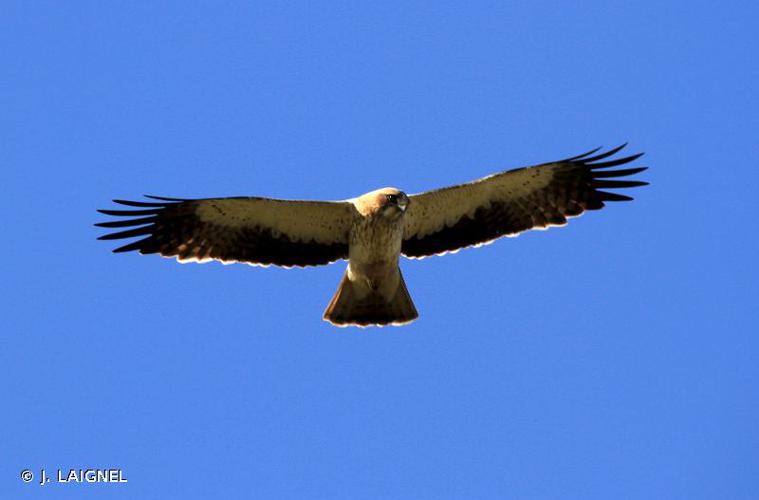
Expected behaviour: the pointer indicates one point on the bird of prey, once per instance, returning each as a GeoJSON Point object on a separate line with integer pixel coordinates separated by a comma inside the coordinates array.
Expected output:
{"type": "Point", "coordinates": [372, 231]}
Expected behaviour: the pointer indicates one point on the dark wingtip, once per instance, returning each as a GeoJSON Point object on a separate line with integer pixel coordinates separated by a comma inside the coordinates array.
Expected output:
{"type": "Point", "coordinates": [130, 203]}
{"type": "Point", "coordinates": [163, 198]}
{"type": "Point", "coordinates": [614, 163]}
{"type": "Point", "coordinates": [597, 174]}
{"type": "Point", "coordinates": [607, 196]}
{"type": "Point", "coordinates": [127, 222]}
{"type": "Point", "coordinates": [578, 157]}
{"type": "Point", "coordinates": [135, 245]}
{"type": "Point", "coordinates": [610, 152]}
{"type": "Point", "coordinates": [130, 213]}
{"type": "Point", "coordinates": [615, 184]}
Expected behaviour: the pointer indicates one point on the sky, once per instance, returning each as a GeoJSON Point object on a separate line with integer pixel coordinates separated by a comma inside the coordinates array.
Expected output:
{"type": "Point", "coordinates": [615, 357]}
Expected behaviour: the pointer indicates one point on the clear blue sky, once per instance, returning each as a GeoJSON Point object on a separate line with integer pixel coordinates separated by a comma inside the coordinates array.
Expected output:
{"type": "Point", "coordinates": [616, 357]}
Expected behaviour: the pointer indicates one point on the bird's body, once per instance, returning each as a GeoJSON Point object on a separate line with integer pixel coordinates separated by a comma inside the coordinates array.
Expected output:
{"type": "Point", "coordinates": [375, 248]}
{"type": "Point", "coordinates": [372, 290]}
{"type": "Point", "coordinates": [373, 230]}
{"type": "Point", "coordinates": [375, 238]}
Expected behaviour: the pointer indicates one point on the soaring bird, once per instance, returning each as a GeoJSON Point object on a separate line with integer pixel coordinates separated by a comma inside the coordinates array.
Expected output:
{"type": "Point", "coordinates": [373, 230]}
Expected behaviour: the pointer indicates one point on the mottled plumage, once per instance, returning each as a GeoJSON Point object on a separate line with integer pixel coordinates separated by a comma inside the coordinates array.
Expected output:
{"type": "Point", "coordinates": [373, 230]}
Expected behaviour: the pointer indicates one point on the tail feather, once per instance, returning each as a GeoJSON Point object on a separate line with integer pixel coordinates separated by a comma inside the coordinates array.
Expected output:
{"type": "Point", "coordinates": [346, 308]}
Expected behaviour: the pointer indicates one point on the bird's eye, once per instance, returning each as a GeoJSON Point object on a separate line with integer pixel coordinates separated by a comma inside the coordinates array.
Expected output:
{"type": "Point", "coordinates": [392, 198]}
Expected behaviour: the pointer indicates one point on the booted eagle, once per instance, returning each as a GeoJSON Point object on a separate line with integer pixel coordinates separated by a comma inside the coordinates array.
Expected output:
{"type": "Point", "coordinates": [373, 230]}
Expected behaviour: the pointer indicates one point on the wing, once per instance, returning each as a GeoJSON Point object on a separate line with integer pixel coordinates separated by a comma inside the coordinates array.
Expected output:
{"type": "Point", "coordinates": [511, 202]}
{"type": "Point", "coordinates": [258, 231]}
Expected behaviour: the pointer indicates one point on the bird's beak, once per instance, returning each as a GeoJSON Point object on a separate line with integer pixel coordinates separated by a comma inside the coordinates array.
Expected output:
{"type": "Point", "coordinates": [402, 204]}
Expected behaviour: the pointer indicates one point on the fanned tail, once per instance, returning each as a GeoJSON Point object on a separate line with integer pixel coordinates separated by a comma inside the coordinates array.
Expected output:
{"type": "Point", "coordinates": [346, 308]}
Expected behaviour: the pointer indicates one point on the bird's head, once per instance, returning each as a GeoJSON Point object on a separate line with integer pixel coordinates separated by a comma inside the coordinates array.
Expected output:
{"type": "Point", "coordinates": [388, 202]}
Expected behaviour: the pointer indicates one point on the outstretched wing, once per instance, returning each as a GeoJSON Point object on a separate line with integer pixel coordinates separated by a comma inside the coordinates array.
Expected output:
{"type": "Point", "coordinates": [514, 201]}
{"type": "Point", "coordinates": [258, 231]}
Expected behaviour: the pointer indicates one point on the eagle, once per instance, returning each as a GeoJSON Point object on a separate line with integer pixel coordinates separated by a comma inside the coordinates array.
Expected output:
{"type": "Point", "coordinates": [373, 230]}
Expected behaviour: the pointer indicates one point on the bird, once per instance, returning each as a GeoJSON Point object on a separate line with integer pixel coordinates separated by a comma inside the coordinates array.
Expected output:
{"type": "Point", "coordinates": [373, 230]}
